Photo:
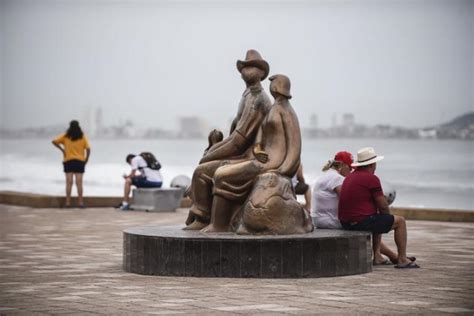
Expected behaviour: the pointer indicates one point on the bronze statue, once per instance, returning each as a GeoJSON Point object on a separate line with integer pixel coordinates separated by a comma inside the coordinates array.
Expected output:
{"type": "Point", "coordinates": [276, 157]}
{"type": "Point", "coordinates": [238, 146]}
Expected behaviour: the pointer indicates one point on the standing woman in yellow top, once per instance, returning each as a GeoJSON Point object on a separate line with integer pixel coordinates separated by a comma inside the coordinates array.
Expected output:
{"type": "Point", "coordinates": [76, 151]}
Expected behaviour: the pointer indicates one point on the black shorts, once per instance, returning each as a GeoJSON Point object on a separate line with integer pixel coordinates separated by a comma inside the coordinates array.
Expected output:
{"type": "Point", "coordinates": [74, 166]}
{"type": "Point", "coordinates": [301, 188]}
{"type": "Point", "coordinates": [141, 182]}
{"type": "Point", "coordinates": [377, 224]}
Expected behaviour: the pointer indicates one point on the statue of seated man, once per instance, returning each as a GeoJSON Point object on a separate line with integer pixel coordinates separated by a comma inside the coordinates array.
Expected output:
{"type": "Point", "coordinates": [277, 149]}
{"type": "Point", "coordinates": [253, 108]}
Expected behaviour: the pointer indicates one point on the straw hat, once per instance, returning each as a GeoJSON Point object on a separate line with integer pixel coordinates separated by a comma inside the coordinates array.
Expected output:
{"type": "Point", "coordinates": [366, 156]}
{"type": "Point", "coordinates": [253, 58]}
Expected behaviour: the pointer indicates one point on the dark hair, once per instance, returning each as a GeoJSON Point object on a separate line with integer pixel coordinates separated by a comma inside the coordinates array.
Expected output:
{"type": "Point", "coordinates": [365, 166]}
{"type": "Point", "coordinates": [74, 132]}
{"type": "Point", "coordinates": [129, 157]}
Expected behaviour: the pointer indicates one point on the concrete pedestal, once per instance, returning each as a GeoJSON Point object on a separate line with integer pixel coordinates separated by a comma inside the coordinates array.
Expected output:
{"type": "Point", "coordinates": [170, 251]}
{"type": "Point", "coordinates": [157, 200]}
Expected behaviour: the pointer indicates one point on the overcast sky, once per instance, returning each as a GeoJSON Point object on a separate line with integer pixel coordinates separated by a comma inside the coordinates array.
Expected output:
{"type": "Point", "coordinates": [407, 63]}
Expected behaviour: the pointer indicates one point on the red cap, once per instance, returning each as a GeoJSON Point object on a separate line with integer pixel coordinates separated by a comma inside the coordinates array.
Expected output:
{"type": "Point", "coordinates": [345, 157]}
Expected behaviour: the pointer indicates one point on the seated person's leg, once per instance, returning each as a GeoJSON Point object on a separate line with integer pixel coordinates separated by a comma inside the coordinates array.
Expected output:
{"type": "Point", "coordinates": [376, 244]}
{"type": "Point", "coordinates": [231, 183]}
{"type": "Point", "coordinates": [400, 236]}
{"type": "Point", "coordinates": [386, 251]}
{"type": "Point", "coordinates": [307, 197]}
{"type": "Point", "coordinates": [126, 194]}
{"type": "Point", "coordinates": [302, 188]}
{"type": "Point", "coordinates": [377, 224]}
{"type": "Point", "coordinates": [201, 194]}
{"type": "Point", "coordinates": [141, 182]}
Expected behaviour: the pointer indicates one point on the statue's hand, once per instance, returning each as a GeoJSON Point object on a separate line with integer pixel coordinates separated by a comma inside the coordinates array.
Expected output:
{"type": "Point", "coordinates": [261, 156]}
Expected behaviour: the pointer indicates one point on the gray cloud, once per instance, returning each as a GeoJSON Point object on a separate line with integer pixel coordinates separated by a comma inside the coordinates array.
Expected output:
{"type": "Point", "coordinates": [408, 63]}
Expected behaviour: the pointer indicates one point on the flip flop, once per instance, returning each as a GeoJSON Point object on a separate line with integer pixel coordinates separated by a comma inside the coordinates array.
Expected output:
{"type": "Point", "coordinates": [409, 258]}
{"type": "Point", "coordinates": [410, 265]}
{"type": "Point", "coordinates": [383, 263]}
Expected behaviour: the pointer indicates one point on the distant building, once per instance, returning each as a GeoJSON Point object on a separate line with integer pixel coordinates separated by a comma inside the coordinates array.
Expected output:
{"type": "Point", "coordinates": [348, 125]}
{"type": "Point", "coordinates": [334, 120]}
{"type": "Point", "coordinates": [427, 133]}
{"type": "Point", "coordinates": [313, 121]}
{"type": "Point", "coordinates": [192, 127]}
{"type": "Point", "coordinates": [99, 124]}
{"type": "Point", "coordinates": [348, 119]}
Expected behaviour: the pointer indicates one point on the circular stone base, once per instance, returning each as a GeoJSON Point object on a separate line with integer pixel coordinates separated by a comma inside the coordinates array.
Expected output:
{"type": "Point", "coordinates": [171, 251]}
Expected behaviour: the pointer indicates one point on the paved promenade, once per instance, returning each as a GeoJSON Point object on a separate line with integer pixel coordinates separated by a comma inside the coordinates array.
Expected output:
{"type": "Point", "coordinates": [69, 261]}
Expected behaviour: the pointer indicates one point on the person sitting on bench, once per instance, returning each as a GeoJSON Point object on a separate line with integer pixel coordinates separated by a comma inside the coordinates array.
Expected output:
{"type": "Point", "coordinates": [142, 175]}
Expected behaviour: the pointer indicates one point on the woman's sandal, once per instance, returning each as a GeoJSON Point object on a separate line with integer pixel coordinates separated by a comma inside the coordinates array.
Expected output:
{"type": "Point", "coordinates": [410, 265]}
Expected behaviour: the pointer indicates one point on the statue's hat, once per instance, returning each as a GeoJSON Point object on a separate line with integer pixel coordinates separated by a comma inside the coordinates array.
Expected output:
{"type": "Point", "coordinates": [253, 58]}
{"type": "Point", "coordinates": [281, 84]}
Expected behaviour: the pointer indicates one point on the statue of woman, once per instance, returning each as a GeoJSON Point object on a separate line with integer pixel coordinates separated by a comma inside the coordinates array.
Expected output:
{"type": "Point", "coordinates": [277, 149]}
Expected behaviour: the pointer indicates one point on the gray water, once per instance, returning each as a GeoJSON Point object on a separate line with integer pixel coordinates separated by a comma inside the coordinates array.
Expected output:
{"type": "Point", "coordinates": [425, 173]}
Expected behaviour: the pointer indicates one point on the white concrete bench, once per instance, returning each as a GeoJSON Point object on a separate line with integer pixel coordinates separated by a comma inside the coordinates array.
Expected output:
{"type": "Point", "coordinates": [157, 199]}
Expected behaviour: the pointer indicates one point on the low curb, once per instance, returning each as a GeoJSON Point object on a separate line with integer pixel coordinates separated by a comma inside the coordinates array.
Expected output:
{"type": "Point", "coordinates": [51, 201]}
{"type": "Point", "coordinates": [428, 214]}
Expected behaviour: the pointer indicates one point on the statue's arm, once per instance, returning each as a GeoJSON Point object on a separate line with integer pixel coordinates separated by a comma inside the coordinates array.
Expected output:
{"type": "Point", "coordinates": [234, 124]}
{"type": "Point", "coordinates": [258, 152]}
{"type": "Point", "coordinates": [238, 141]}
{"type": "Point", "coordinates": [231, 146]}
{"type": "Point", "coordinates": [293, 144]}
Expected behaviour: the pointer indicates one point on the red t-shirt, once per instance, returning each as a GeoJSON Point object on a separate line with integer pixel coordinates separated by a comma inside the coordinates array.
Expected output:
{"type": "Point", "coordinates": [358, 193]}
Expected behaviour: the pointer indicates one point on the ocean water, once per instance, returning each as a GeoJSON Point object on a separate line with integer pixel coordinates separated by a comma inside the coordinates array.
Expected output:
{"type": "Point", "coordinates": [425, 173]}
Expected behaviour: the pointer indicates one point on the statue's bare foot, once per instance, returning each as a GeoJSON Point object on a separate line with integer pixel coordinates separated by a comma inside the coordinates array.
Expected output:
{"type": "Point", "coordinates": [191, 218]}
{"type": "Point", "coordinates": [213, 229]}
{"type": "Point", "coordinates": [308, 225]}
{"type": "Point", "coordinates": [242, 230]}
{"type": "Point", "coordinates": [196, 225]}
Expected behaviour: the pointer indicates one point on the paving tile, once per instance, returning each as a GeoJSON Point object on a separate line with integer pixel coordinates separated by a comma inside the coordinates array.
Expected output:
{"type": "Point", "coordinates": [453, 310]}
{"type": "Point", "coordinates": [128, 293]}
{"type": "Point", "coordinates": [73, 265]}
{"type": "Point", "coordinates": [165, 312]}
{"type": "Point", "coordinates": [160, 305]}
{"type": "Point", "coordinates": [67, 298]}
{"type": "Point", "coordinates": [84, 293]}
{"type": "Point", "coordinates": [411, 303]}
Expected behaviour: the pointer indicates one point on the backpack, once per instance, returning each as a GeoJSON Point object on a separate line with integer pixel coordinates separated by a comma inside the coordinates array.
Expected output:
{"type": "Point", "coordinates": [151, 160]}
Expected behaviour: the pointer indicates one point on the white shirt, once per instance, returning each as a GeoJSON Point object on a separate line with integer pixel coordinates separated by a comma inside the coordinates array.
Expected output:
{"type": "Point", "coordinates": [138, 163]}
{"type": "Point", "coordinates": [325, 200]}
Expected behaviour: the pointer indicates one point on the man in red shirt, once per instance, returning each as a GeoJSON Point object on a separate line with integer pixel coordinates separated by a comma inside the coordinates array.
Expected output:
{"type": "Point", "coordinates": [362, 206]}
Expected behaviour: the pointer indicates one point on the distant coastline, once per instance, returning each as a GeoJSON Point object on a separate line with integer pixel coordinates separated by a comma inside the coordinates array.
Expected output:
{"type": "Point", "coordinates": [461, 127]}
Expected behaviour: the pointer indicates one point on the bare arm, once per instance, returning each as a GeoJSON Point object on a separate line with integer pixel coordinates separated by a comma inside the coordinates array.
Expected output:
{"type": "Point", "coordinates": [229, 147]}
{"type": "Point", "coordinates": [131, 175]}
{"type": "Point", "coordinates": [88, 153]}
{"type": "Point", "coordinates": [382, 204]}
{"type": "Point", "coordinates": [58, 146]}
{"type": "Point", "coordinates": [338, 190]}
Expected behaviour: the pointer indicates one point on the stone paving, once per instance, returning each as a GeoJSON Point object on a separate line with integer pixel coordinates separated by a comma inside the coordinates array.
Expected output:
{"type": "Point", "coordinates": [69, 261]}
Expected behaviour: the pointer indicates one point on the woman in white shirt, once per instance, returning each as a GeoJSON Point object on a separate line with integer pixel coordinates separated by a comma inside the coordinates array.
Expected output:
{"type": "Point", "coordinates": [324, 206]}
{"type": "Point", "coordinates": [326, 191]}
